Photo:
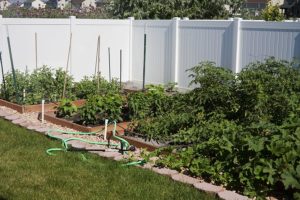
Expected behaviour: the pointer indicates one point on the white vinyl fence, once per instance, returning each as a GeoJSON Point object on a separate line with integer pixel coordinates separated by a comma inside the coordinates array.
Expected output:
{"type": "Point", "coordinates": [172, 47]}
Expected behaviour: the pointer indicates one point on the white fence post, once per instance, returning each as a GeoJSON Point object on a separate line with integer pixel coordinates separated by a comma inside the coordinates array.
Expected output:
{"type": "Point", "coordinates": [130, 46]}
{"type": "Point", "coordinates": [72, 24]}
{"type": "Point", "coordinates": [175, 44]}
{"type": "Point", "coordinates": [236, 45]}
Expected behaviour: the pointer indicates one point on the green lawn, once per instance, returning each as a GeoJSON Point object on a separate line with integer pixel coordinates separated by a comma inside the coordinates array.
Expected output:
{"type": "Point", "coordinates": [27, 172]}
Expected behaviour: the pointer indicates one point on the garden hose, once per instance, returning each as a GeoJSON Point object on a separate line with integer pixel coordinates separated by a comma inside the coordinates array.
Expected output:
{"type": "Point", "coordinates": [134, 163]}
{"type": "Point", "coordinates": [123, 142]}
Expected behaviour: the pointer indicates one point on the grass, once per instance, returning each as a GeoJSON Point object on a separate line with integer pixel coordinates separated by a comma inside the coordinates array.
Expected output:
{"type": "Point", "coordinates": [27, 172]}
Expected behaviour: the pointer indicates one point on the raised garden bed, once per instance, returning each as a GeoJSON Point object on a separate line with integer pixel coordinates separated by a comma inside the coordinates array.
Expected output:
{"type": "Point", "coordinates": [35, 108]}
{"type": "Point", "coordinates": [141, 143]}
{"type": "Point", "coordinates": [50, 116]}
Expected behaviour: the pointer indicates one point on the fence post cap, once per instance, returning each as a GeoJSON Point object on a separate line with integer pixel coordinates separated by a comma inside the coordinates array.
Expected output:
{"type": "Point", "coordinates": [131, 18]}
{"type": "Point", "coordinates": [176, 18]}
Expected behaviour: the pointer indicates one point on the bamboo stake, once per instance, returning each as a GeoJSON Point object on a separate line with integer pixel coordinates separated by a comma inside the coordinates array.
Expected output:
{"type": "Point", "coordinates": [96, 63]}
{"type": "Point", "coordinates": [98, 66]}
{"type": "Point", "coordinates": [36, 56]}
{"type": "Point", "coordinates": [109, 68]}
{"type": "Point", "coordinates": [66, 71]}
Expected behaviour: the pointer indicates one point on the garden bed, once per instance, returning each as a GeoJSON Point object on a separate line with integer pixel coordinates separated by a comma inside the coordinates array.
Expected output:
{"type": "Point", "coordinates": [50, 116]}
{"type": "Point", "coordinates": [35, 108]}
{"type": "Point", "coordinates": [141, 143]}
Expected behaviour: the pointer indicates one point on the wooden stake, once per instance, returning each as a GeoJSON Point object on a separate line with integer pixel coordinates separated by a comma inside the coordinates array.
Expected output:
{"type": "Point", "coordinates": [67, 67]}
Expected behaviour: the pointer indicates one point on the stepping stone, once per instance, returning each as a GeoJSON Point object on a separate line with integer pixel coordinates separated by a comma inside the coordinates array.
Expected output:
{"type": "Point", "coordinates": [185, 179]}
{"type": "Point", "coordinates": [209, 188]}
{"type": "Point", "coordinates": [229, 195]}
{"type": "Point", "coordinates": [164, 171]}
{"type": "Point", "coordinates": [147, 166]}
{"type": "Point", "coordinates": [76, 144]}
{"type": "Point", "coordinates": [99, 153]}
{"type": "Point", "coordinates": [110, 154]}
{"type": "Point", "coordinates": [90, 147]}
{"type": "Point", "coordinates": [42, 130]}
{"type": "Point", "coordinates": [12, 117]}
{"type": "Point", "coordinates": [33, 127]}
{"type": "Point", "coordinates": [18, 121]}
{"type": "Point", "coordinates": [25, 124]}
{"type": "Point", "coordinates": [121, 157]}
{"type": "Point", "coordinates": [4, 113]}
{"type": "Point", "coordinates": [57, 134]}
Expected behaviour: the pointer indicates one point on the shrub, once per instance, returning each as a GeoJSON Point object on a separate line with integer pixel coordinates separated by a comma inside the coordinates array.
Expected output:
{"type": "Point", "coordinates": [100, 107]}
{"type": "Point", "coordinates": [66, 108]}
{"type": "Point", "coordinates": [88, 86]}
{"type": "Point", "coordinates": [272, 13]}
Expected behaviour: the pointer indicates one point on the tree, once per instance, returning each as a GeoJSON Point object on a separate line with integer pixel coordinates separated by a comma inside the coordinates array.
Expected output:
{"type": "Point", "coordinates": [272, 13]}
{"type": "Point", "coordinates": [167, 9]}
{"type": "Point", "coordinates": [234, 6]}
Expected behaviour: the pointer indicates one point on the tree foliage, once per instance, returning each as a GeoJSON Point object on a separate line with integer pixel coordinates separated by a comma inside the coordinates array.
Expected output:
{"type": "Point", "coordinates": [167, 9]}
{"type": "Point", "coordinates": [272, 13]}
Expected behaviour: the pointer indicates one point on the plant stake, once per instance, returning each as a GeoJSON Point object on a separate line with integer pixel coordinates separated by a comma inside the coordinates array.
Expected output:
{"type": "Point", "coordinates": [66, 71]}
{"type": "Point", "coordinates": [3, 80]}
{"type": "Point", "coordinates": [120, 68]}
{"type": "Point", "coordinates": [12, 66]}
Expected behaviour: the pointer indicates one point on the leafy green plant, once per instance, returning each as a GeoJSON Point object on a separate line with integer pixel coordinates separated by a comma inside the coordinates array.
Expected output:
{"type": "Point", "coordinates": [241, 131]}
{"type": "Point", "coordinates": [22, 82]}
{"type": "Point", "coordinates": [66, 108]}
{"type": "Point", "coordinates": [272, 12]}
{"type": "Point", "coordinates": [89, 86]}
{"type": "Point", "coordinates": [147, 104]}
{"type": "Point", "coordinates": [100, 107]}
{"type": "Point", "coordinates": [42, 83]}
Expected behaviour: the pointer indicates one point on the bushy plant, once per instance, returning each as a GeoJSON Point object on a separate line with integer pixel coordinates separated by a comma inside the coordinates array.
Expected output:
{"type": "Point", "coordinates": [100, 107]}
{"type": "Point", "coordinates": [66, 108]}
{"type": "Point", "coordinates": [89, 86]}
{"type": "Point", "coordinates": [22, 83]}
{"type": "Point", "coordinates": [147, 104]}
{"type": "Point", "coordinates": [268, 91]}
{"type": "Point", "coordinates": [272, 12]}
{"type": "Point", "coordinates": [42, 83]}
{"type": "Point", "coordinates": [244, 132]}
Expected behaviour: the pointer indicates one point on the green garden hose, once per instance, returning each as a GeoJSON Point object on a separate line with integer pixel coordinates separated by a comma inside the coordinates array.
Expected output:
{"type": "Point", "coordinates": [65, 141]}
{"type": "Point", "coordinates": [123, 142]}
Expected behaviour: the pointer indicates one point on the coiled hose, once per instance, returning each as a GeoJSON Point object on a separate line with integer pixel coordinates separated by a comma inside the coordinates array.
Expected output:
{"type": "Point", "coordinates": [123, 143]}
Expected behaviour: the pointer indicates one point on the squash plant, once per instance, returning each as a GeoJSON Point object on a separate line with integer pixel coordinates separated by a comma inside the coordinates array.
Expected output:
{"type": "Point", "coordinates": [100, 107]}
{"type": "Point", "coordinates": [66, 108]}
